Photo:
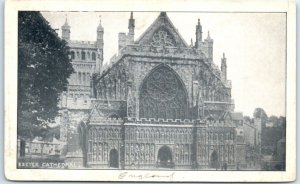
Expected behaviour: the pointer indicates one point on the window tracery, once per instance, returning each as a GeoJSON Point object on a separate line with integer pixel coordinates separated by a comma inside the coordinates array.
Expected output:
{"type": "Point", "coordinates": [163, 95]}
{"type": "Point", "coordinates": [162, 38]}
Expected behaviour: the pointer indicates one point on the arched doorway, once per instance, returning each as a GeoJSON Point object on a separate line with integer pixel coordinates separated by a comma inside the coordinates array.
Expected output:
{"type": "Point", "coordinates": [113, 158]}
{"type": "Point", "coordinates": [214, 160]}
{"type": "Point", "coordinates": [163, 95]}
{"type": "Point", "coordinates": [164, 157]}
{"type": "Point", "coordinates": [114, 116]}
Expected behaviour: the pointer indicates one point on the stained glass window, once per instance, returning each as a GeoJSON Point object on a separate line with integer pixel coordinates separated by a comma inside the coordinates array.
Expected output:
{"type": "Point", "coordinates": [163, 95]}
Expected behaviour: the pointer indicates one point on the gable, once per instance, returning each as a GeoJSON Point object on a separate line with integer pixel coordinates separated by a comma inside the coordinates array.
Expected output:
{"type": "Point", "coordinates": [162, 33]}
{"type": "Point", "coordinates": [95, 113]}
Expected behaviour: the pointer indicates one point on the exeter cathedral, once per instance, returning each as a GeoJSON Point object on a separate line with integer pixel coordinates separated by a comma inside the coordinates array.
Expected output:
{"type": "Point", "coordinates": [160, 103]}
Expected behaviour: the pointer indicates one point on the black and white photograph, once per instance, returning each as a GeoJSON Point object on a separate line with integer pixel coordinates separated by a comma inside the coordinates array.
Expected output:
{"type": "Point", "coordinates": [135, 90]}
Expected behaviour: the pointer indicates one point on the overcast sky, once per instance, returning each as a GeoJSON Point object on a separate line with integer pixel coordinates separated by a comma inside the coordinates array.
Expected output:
{"type": "Point", "coordinates": [254, 45]}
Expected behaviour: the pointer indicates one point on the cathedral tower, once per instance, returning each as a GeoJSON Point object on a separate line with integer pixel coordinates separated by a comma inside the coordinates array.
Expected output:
{"type": "Point", "coordinates": [66, 31]}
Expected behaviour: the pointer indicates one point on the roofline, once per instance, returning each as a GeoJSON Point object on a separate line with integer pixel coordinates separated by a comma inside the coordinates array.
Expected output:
{"type": "Point", "coordinates": [156, 20]}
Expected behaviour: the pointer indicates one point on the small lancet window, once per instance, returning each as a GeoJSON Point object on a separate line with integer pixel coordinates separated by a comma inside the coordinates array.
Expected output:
{"type": "Point", "coordinates": [93, 56]}
{"type": "Point", "coordinates": [83, 55]}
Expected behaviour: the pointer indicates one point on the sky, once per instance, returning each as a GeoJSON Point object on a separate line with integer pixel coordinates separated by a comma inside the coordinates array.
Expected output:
{"type": "Point", "coordinates": [254, 45]}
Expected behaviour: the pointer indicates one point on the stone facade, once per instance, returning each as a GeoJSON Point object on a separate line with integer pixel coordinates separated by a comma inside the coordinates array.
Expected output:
{"type": "Point", "coordinates": [87, 59]}
{"type": "Point", "coordinates": [160, 104]}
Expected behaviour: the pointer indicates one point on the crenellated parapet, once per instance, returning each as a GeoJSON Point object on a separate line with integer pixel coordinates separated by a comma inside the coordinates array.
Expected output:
{"type": "Point", "coordinates": [178, 55]}
{"type": "Point", "coordinates": [218, 123]}
{"type": "Point", "coordinates": [159, 121]}
{"type": "Point", "coordinates": [108, 121]}
{"type": "Point", "coordinates": [166, 51]}
{"type": "Point", "coordinates": [82, 44]}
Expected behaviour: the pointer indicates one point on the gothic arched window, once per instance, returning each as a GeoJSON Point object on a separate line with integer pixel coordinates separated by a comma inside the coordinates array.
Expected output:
{"type": "Point", "coordinates": [163, 95]}
{"type": "Point", "coordinates": [82, 55]}
{"type": "Point", "coordinates": [72, 55]}
{"type": "Point", "coordinates": [93, 56]}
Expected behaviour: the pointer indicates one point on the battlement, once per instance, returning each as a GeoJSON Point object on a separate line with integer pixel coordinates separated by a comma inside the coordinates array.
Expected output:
{"type": "Point", "coordinates": [82, 44]}
{"type": "Point", "coordinates": [161, 121]}
{"type": "Point", "coordinates": [154, 51]}
{"type": "Point", "coordinates": [104, 120]}
{"type": "Point", "coordinates": [218, 123]}
{"type": "Point", "coordinates": [187, 54]}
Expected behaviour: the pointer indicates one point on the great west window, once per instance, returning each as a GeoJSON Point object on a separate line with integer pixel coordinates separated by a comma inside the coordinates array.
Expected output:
{"type": "Point", "coordinates": [163, 95]}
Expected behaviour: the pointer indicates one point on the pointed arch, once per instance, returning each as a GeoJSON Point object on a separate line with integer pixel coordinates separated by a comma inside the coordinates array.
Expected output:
{"type": "Point", "coordinates": [93, 56]}
{"type": "Point", "coordinates": [159, 91]}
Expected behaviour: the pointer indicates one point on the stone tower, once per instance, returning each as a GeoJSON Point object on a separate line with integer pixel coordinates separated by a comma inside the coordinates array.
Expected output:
{"type": "Point", "coordinates": [66, 31]}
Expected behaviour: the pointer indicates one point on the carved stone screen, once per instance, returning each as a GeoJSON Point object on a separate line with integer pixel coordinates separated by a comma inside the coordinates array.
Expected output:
{"type": "Point", "coordinates": [163, 95]}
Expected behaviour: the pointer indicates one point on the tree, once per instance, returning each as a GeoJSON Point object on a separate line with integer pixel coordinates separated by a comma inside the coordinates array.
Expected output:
{"type": "Point", "coordinates": [282, 122]}
{"type": "Point", "coordinates": [260, 113]}
{"type": "Point", "coordinates": [247, 119]}
{"type": "Point", "coordinates": [274, 120]}
{"type": "Point", "coordinates": [43, 69]}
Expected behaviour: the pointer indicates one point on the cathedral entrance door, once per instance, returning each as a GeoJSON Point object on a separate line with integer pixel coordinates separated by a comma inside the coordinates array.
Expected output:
{"type": "Point", "coordinates": [164, 158]}
{"type": "Point", "coordinates": [113, 158]}
{"type": "Point", "coordinates": [214, 160]}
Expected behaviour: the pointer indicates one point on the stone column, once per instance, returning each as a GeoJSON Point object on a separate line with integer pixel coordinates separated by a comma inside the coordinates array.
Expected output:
{"type": "Point", "coordinates": [122, 148]}
{"type": "Point", "coordinates": [194, 145]}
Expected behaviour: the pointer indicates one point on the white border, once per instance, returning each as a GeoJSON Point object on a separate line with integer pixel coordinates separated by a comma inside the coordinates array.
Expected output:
{"type": "Point", "coordinates": [10, 73]}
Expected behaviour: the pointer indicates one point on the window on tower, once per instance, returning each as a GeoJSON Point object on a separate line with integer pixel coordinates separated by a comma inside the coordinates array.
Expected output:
{"type": "Point", "coordinates": [83, 55]}
{"type": "Point", "coordinates": [72, 55]}
{"type": "Point", "coordinates": [93, 56]}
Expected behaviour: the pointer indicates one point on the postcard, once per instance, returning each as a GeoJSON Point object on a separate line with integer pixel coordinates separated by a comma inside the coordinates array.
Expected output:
{"type": "Point", "coordinates": [150, 91]}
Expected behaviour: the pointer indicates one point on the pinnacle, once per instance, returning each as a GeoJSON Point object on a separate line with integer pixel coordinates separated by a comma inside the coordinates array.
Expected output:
{"type": "Point", "coordinates": [66, 22]}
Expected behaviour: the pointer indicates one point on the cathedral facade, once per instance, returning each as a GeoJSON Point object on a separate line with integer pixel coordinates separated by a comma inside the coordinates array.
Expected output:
{"type": "Point", "coordinates": [161, 103]}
